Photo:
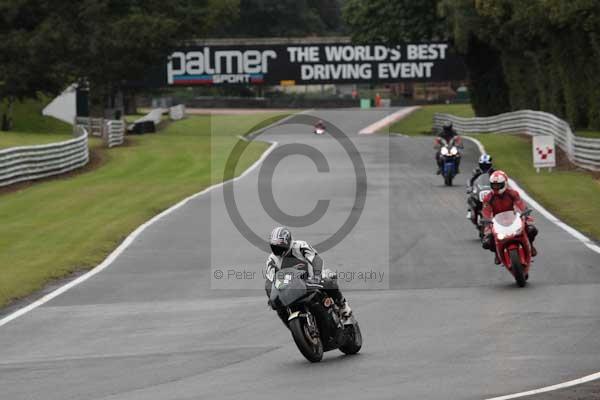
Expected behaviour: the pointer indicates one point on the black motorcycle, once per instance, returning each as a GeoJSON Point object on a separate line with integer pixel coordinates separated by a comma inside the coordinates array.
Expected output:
{"type": "Point", "coordinates": [312, 316]}
{"type": "Point", "coordinates": [481, 187]}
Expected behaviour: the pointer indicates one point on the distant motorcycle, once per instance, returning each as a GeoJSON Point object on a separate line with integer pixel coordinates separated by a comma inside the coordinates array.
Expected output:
{"type": "Point", "coordinates": [450, 154]}
{"type": "Point", "coordinates": [481, 187]}
{"type": "Point", "coordinates": [319, 131]}
{"type": "Point", "coordinates": [512, 244]}
{"type": "Point", "coordinates": [312, 316]}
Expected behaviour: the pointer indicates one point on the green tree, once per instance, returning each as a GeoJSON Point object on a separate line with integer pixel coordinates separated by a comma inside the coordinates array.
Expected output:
{"type": "Point", "coordinates": [393, 21]}
{"type": "Point", "coordinates": [538, 54]}
{"type": "Point", "coordinates": [47, 44]}
{"type": "Point", "coordinates": [289, 18]}
{"type": "Point", "coordinates": [30, 54]}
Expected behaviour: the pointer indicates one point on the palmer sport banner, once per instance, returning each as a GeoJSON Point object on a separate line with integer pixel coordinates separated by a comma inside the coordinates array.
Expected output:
{"type": "Point", "coordinates": [313, 64]}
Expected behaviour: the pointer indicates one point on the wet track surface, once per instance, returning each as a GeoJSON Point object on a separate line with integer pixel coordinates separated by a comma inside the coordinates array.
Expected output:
{"type": "Point", "coordinates": [443, 322]}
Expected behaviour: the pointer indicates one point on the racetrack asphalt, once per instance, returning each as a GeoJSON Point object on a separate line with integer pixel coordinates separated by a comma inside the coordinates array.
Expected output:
{"type": "Point", "coordinates": [444, 322]}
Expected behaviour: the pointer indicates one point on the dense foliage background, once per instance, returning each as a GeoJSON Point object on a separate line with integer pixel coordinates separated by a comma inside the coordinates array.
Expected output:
{"type": "Point", "coordinates": [536, 54]}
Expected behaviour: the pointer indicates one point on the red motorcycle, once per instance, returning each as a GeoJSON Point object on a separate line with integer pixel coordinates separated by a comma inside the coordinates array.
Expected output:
{"type": "Point", "coordinates": [512, 244]}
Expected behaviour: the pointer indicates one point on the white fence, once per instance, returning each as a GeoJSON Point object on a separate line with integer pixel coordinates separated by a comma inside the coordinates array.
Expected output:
{"type": "Point", "coordinates": [26, 163]}
{"type": "Point", "coordinates": [115, 133]}
{"type": "Point", "coordinates": [111, 131]}
{"type": "Point", "coordinates": [583, 152]}
{"type": "Point", "coordinates": [95, 126]}
{"type": "Point", "coordinates": [177, 112]}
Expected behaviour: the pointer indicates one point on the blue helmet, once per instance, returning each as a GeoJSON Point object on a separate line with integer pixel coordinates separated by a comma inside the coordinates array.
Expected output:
{"type": "Point", "coordinates": [485, 162]}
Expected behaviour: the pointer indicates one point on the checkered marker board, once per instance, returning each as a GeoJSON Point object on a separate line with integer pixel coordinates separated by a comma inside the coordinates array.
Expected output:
{"type": "Point", "coordinates": [544, 152]}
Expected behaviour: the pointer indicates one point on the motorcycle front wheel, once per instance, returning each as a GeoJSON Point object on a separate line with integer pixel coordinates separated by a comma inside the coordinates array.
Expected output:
{"type": "Point", "coordinates": [354, 342]}
{"type": "Point", "coordinates": [517, 268]}
{"type": "Point", "coordinates": [448, 180]}
{"type": "Point", "coordinates": [310, 347]}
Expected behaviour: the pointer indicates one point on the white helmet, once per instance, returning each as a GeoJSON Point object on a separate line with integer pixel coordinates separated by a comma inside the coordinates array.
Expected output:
{"type": "Point", "coordinates": [499, 182]}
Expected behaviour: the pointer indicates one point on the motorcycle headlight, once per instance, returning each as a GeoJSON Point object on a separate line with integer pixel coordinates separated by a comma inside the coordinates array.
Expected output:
{"type": "Point", "coordinates": [501, 236]}
{"type": "Point", "coordinates": [454, 151]}
{"type": "Point", "coordinates": [444, 151]}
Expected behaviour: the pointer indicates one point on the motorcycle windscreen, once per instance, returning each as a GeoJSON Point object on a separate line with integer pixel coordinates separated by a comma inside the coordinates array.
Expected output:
{"type": "Point", "coordinates": [507, 223]}
{"type": "Point", "coordinates": [482, 186]}
{"type": "Point", "coordinates": [288, 293]}
{"type": "Point", "coordinates": [483, 182]}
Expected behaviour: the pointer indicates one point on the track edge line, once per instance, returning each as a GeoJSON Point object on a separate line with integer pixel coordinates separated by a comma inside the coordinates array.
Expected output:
{"type": "Point", "coordinates": [127, 242]}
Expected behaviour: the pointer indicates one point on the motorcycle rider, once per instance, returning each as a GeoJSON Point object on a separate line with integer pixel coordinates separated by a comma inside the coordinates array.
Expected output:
{"type": "Point", "coordinates": [447, 134]}
{"type": "Point", "coordinates": [319, 125]}
{"type": "Point", "coordinates": [287, 252]}
{"type": "Point", "coordinates": [485, 167]}
{"type": "Point", "coordinates": [503, 198]}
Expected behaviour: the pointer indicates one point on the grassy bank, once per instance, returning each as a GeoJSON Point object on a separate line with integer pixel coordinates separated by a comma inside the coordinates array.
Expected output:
{"type": "Point", "coordinates": [420, 122]}
{"type": "Point", "coordinates": [588, 134]}
{"type": "Point", "coordinates": [84, 217]}
{"type": "Point", "coordinates": [573, 196]}
{"type": "Point", "coordinates": [31, 127]}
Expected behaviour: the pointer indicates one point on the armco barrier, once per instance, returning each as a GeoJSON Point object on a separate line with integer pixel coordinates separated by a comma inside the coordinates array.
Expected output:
{"type": "Point", "coordinates": [26, 163]}
{"type": "Point", "coordinates": [112, 132]}
{"type": "Point", "coordinates": [177, 112]}
{"type": "Point", "coordinates": [583, 152]}
{"type": "Point", "coordinates": [148, 123]}
{"type": "Point", "coordinates": [94, 126]}
{"type": "Point", "coordinates": [115, 133]}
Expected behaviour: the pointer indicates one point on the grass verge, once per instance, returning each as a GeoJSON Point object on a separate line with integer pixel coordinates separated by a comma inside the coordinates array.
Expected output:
{"type": "Point", "coordinates": [31, 127]}
{"type": "Point", "coordinates": [56, 227]}
{"type": "Point", "coordinates": [588, 134]}
{"type": "Point", "coordinates": [420, 122]}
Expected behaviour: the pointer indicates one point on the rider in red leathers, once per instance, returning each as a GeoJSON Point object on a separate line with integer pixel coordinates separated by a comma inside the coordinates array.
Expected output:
{"type": "Point", "coordinates": [503, 198]}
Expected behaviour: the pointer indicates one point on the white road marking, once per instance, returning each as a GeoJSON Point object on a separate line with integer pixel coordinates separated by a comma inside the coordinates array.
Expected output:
{"type": "Point", "coordinates": [570, 230]}
{"type": "Point", "coordinates": [125, 244]}
{"type": "Point", "coordinates": [390, 119]}
{"type": "Point", "coordinates": [577, 235]}
{"type": "Point", "coordinates": [564, 385]}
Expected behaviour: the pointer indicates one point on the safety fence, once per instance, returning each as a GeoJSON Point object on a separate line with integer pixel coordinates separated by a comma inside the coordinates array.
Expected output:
{"type": "Point", "coordinates": [583, 152]}
{"type": "Point", "coordinates": [151, 121]}
{"type": "Point", "coordinates": [177, 112]}
{"type": "Point", "coordinates": [26, 163]}
{"type": "Point", "coordinates": [115, 133]}
{"type": "Point", "coordinates": [112, 132]}
{"type": "Point", "coordinates": [95, 126]}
